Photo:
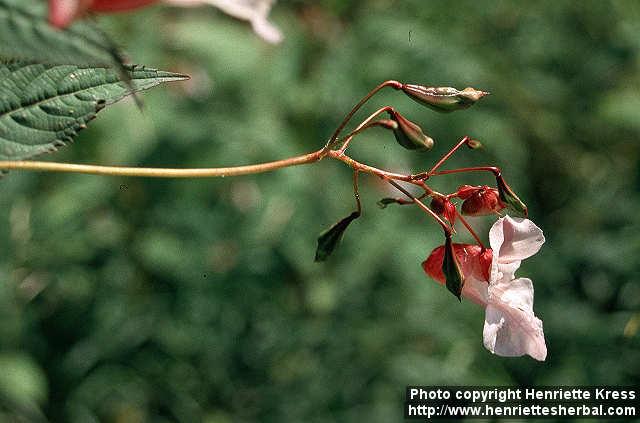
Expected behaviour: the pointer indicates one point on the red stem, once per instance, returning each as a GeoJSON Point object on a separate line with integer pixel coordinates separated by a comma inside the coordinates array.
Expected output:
{"type": "Point", "coordinates": [355, 190]}
{"type": "Point", "coordinates": [369, 169]}
{"type": "Point", "coordinates": [442, 223]}
{"type": "Point", "coordinates": [364, 125]}
{"type": "Point", "coordinates": [395, 84]}
{"type": "Point", "coordinates": [470, 229]}
{"type": "Point", "coordinates": [426, 175]}
{"type": "Point", "coordinates": [495, 170]}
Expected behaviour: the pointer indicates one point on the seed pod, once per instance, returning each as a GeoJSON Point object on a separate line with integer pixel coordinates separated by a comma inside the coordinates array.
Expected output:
{"type": "Point", "coordinates": [454, 279]}
{"type": "Point", "coordinates": [509, 197]}
{"type": "Point", "coordinates": [443, 99]}
{"type": "Point", "coordinates": [329, 239]}
{"type": "Point", "coordinates": [408, 134]}
{"type": "Point", "coordinates": [474, 144]}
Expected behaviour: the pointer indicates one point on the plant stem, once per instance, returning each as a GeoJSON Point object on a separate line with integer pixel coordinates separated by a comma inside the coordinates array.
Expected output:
{"type": "Point", "coordinates": [356, 194]}
{"type": "Point", "coordinates": [201, 172]}
{"type": "Point", "coordinates": [395, 84]}
{"type": "Point", "coordinates": [470, 229]}
{"type": "Point", "coordinates": [369, 169]}
{"type": "Point", "coordinates": [446, 228]}
{"type": "Point", "coordinates": [496, 171]}
{"type": "Point", "coordinates": [161, 172]}
{"type": "Point", "coordinates": [365, 125]}
{"type": "Point", "coordinates": [426, 175]}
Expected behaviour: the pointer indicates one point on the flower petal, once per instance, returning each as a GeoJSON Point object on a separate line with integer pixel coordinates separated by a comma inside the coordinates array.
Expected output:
{"type": "Point", "coordinates": [514, 239]}
{"type": "Point", "coordinates": [63, 12]}
{"type": "Point", "coordinates": [254, 11]}
{"type": "Point", "coordinates": [511, 328]}
{"type": "Point", "coordinates": [475, 290]}
{"type": "Point", "coordinates": [469, 258]}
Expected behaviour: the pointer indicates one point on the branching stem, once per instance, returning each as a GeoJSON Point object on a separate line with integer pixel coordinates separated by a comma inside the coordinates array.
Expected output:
{"type": "Point", "coordinates": [150, 172]}
{"type": "Point", "coordinates": [364, 125]}
{"type": "Point", "coordinates": [395, 84]}
{"type": "Point", "coordinates": [445, 227]}
{"type": "Point", "coordinates": [492, 169]}
{"type": "Point", "coordinates": [470, 229]}
{"type": "Point", "coordinates": [426, 175]}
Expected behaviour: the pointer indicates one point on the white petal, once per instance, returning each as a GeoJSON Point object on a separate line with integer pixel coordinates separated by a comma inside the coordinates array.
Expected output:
{"type": "Point", "coordinates": [503, 272]}
{"type": "Point", "coordinates": [266, 30]}
{"type": "Point", "coordinates": [511, 329]}
{"type": "Point", "coordinates": [475, 290]}
{"type": "Point", "coordinates": [514, 239]}
{"type": "Point", "coordinates": [254, 11]}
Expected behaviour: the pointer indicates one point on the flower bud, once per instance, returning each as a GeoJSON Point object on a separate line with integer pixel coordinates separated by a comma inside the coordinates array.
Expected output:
{"type": "Point", "coordinates": [443, 99]}
{"type": "Point", "coordinates": [482, 201]}
{"type": "Point", "coordinates": [474, 144]}
{"type": "Point", "coordinates": [509, 197]}
{"type": "Point", "coordinates": [443, 207]}
{"type": "Point", "coordinates": [408, 134]}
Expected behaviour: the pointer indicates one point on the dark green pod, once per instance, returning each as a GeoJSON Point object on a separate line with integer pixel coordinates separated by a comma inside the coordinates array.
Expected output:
{"type": "Point", "coordinates": [451, 269]}
{"type": "Point", "coordinates": [410, 135]}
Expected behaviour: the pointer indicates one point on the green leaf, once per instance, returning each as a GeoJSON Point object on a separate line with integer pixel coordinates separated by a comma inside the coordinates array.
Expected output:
{"type": "Point", "coordinates": [329, 239]}
{"type": "Point", "coordinates": [42, 107]}
{"type": "Point", "coordinates": [26, 35]}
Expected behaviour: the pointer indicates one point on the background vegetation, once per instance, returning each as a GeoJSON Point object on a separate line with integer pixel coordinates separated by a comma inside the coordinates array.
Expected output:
{"type": "Point", "coordinates": [133, 300]}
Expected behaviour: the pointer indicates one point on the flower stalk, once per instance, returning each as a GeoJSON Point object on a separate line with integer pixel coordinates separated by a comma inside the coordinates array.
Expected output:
{"type": "Point", "coordinates": [412, 138]}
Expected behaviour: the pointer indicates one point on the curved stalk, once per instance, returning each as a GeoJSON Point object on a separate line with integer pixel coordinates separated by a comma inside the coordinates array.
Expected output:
{"type": "Point", "coordinates": [395, 84]}
{"type": "Point", "coordinates": [150, 172]}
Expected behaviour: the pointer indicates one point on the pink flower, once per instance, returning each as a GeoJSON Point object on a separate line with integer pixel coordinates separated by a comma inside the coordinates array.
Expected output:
{"type": "Point", "coordinates": [63, 12]}
{"type": "Point", "coordinates": [510, 328]}
{"type": "Point", "coordinates": [254, 11]}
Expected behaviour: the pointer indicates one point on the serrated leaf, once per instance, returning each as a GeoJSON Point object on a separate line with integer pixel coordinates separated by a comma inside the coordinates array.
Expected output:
{"type": "Point", "coordinates": [329, 239]}
{"type": "Point", "coordinates": [25, 35]}
{"type": "Point", "coordinates": [42, 107]}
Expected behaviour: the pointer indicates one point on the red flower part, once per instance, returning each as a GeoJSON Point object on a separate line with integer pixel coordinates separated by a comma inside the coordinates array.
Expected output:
{"type": "Point", "coordinates": [443, 207]}
{"type": "Point", "coordinates": [480, 201]}
{"type": "Point", "coordinates": [63, 12]}
{"type": "Point", "coordinates": [103, 6]}
{"type": "Point", "coordinates": [465, 191]}
{"type": "Point", "coordinates": [474, 261]}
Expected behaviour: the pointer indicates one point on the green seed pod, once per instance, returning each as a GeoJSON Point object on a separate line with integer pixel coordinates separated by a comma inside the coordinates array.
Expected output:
{"type": "Point", "coordinates": [443, 99]}
{"type": "Point", "coordinates": [451, 269]}
{"type": "Point", "coordinates": [509, 197]}
{"type": "Point", "coordinates": [408, 134]}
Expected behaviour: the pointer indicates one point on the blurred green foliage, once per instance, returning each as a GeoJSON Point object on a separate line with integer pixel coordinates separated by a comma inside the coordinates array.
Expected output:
{"type": "Point", "coordinates": [132, 300]}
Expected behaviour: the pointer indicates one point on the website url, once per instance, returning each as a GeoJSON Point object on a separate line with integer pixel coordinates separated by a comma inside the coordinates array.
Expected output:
{"type": "Point", "coordinates": [430, 411]}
